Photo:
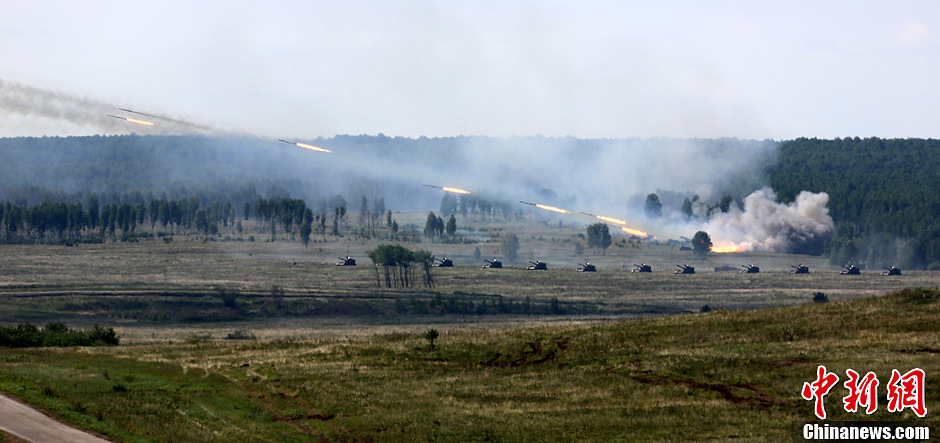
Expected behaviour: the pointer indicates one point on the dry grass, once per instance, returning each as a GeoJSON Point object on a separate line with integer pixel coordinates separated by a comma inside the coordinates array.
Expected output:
{"type": "Point", "coordinates": [159, 290]}
{"type": "Point", "coordinates": [720, 375]}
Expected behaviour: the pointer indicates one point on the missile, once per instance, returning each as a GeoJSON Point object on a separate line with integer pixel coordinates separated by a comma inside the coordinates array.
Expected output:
{"type": "Point", "coordinates": [305, 146]}
{"type": "Point", "coordinates": [449, 189]}
{"type": "Point", "coordinates": [133, 120]}
{"type": "Point", "coordinates": [546, 207]}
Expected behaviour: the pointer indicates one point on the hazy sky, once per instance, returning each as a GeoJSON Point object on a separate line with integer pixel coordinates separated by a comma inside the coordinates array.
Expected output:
{"type": "Point", "coordinates": [748, 69]}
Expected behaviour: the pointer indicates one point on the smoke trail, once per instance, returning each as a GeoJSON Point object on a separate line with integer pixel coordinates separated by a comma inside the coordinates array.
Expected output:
{"type": "Point", "coordinates": [19, 98]}
{"type": "Point", "coordinates": [764, 225]}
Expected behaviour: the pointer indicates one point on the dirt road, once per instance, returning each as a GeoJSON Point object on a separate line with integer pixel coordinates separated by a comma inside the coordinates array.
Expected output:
{"type": "Point", "coordinates": [29, 424]}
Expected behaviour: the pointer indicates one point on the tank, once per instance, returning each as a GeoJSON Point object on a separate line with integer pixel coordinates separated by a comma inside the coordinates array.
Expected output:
{"type": "Point", "coordinates": [348, 261]}
{"type": "Point", "coordinates": [445, 263]}
{"type": "Point", "coordinates": [850, 270]}
{"type": "Point", "coordinates": [537, 266]}
{"type": "Point", "coordinates": [587, 267]}
{"type": "Point", "coordinates": [685, 269]}
{"type": "Point", "coordinates": [495, 264]}
{"type": "Point", "coordinates": [891, 271]}
{"type": "Point", "coordinates": [799, 269]}
{"type": "Point", "coordinates": [750, 269]}
{"type": "Point", "coordinates": [642, 268]}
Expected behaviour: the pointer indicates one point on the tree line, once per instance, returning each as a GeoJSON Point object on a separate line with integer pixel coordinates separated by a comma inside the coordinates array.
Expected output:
{"type": "Point", "coordinates": [883, 196]}
{"type": "Point", "coordinates": [90, 221]}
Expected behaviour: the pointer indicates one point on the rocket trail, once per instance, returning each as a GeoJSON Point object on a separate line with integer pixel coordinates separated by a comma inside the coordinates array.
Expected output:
{"type": "Point", "coordinates": [449, 189]}
{"type": "Point", "coordinates": [546, 207]}
{"type": "Point", "coordinates": [172, 120]}
{"type": "Point", "coordinates": [133, 120]}
{"type": "Point", "coordinates": [607, 219]}
{"type": "Point", "coordinates": [305, 146]}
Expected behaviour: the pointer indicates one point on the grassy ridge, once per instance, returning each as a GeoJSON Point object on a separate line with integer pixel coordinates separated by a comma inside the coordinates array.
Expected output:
{"type": "Point", "coordinates": [718, 375]}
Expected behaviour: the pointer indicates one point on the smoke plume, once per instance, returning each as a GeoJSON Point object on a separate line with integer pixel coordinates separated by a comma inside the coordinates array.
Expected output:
{"type": "Point", "coordinates": [764, 225]}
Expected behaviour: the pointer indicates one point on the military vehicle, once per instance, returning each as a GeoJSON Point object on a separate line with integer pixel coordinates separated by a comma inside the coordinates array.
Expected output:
{"type": "Point", "coordinates": [495, 264]}
{"type": "Point", "coordinates": [445, 263]}
{"type": "Point", "coordinates": [587, 267]}
{"type": "Point", "coordinates": [750, 269]}
{"type": "Point", "coordinates": [348, 261]}
{"type": "Point", "coordinates": [537, 266]}
{"type": "Point", "coordinates": [850, 270]}
{"type": "Point", "coordinates": [799, 269]}
{"type": "Point", "coordinates": [685, 269]}
{"type": "Point", "coordinates": [892, 271]}
{"type": "Point", "coordinates": [642, 268]}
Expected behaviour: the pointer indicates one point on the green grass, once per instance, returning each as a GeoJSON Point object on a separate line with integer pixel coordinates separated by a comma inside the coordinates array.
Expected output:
{"type": "Point", "coordinates": [720, 375]}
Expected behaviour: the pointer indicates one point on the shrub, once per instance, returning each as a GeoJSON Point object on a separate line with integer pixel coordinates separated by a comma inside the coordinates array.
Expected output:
{"type": "Point", "coordinates": [240, 334]}
{"type": "Point", "coordinates": [431, 335]}
{"type": "Point", "coordinates": [56, 334]}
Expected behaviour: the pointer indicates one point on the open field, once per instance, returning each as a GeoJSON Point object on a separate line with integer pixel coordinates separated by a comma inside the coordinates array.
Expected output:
{"type": "Point", "coordinates": [721, 375]}
{"type": "Point", "coordinates": [523, 355]}
{"type": "Point", "coordinates": [187, 287]}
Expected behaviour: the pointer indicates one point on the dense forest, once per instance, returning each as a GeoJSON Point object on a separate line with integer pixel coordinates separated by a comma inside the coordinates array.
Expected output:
{"type": "Point", "coordinates": [883, 196]}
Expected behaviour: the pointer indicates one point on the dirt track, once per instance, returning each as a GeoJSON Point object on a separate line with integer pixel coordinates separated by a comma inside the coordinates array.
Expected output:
{"type": "Point", "coordinates": [29, 424]}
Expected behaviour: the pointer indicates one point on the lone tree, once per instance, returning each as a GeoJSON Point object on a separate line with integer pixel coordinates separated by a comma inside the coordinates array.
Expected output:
{"type": "Point", "coordinates": [451, 226]}
{"type": "Point", "coordinates": [511, 247]}
{"type": "Point", "coordinates": [653, 208]}
{"type": "Point", "coordinates": [430, 335]}
{"type": "Point", "coordinates": [701, 243]}
{"type": "Point", "coordinates": [598, 236]}
{"type": "Point", "coordinates": [434, 226]}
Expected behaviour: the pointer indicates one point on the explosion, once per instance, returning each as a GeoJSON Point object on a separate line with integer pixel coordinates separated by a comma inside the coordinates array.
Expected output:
{"type": "Point", "coordinates": [800, 227]}
{"type": "Point", "coordinates": [724, 249]}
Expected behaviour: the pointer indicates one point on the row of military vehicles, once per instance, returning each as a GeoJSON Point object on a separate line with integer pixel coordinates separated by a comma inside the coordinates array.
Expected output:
{"type": "Point", "coordinates": [683, 269]}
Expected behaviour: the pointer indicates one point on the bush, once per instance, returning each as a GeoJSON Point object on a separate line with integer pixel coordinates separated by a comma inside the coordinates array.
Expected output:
{"type": "Point", "coordinates": [56, 334]}
{"type": "Point", "coordinates": [240, 334]}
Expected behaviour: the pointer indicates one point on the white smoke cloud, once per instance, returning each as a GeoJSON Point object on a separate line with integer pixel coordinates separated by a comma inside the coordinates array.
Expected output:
{"type": "Point", "coordinates": [765, 225]}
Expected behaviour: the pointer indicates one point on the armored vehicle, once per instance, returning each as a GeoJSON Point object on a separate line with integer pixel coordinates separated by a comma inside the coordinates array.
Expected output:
{"type": "Point", "coordinates": [642, 268]}
{"type": "Point", "coordinates": [750, 269]}
{"type": "Point", "coordinates": [800, 269]}
{"type": "Point", "coordinates": [891, 271]}
{"type": "Point", "coordinates": [445, 263]}
{"type": "Point", "coordinates": [587, 267]}
{"type": "Point", "coordinates": [495, 264]}
{"type": "Point", "coordinates": [537, 266]}
{"type": "Point", "coordinates": [685, 269]}
{"type": "Point", "coordinates": [850, 270]}
{"type": "Point", "coordinates": [348, 261]}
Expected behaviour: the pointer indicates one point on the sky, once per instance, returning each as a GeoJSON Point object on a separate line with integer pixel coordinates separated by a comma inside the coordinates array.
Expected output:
{"type": "Point", "coordinates": [588, 69]}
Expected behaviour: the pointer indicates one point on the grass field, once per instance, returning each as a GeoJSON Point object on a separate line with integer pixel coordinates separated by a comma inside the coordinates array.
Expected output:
{"type": "Point", "coordinates": [190, 287]}
{"type": "Point", "coordinates": [720, 375]}
{"type": "Point", "coordinates": [552, 355]}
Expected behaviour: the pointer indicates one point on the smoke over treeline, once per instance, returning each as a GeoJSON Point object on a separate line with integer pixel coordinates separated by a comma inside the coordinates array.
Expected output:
{"type": "Point", "coordinates": [722, 180]}
{"type": "Point", "coordinates": [598, 175]}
